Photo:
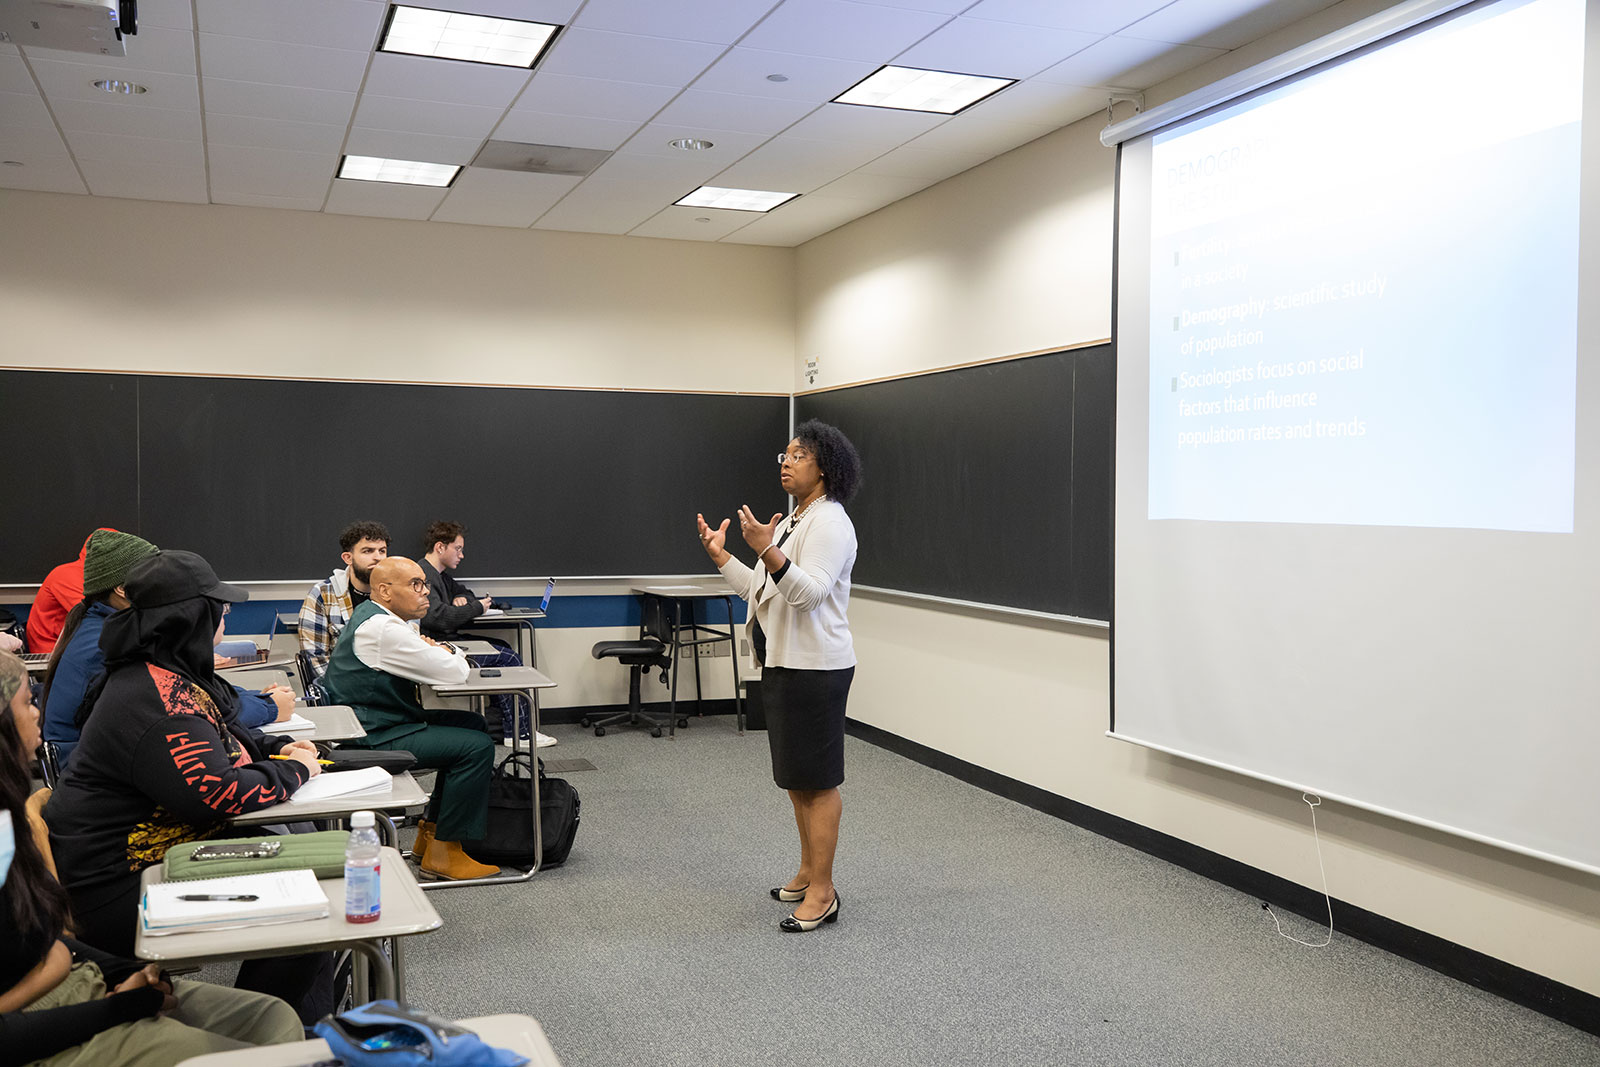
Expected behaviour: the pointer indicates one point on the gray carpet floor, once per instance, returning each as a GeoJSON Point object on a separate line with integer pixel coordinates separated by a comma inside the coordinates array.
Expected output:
{"type": "Point", "coordinates": [973, 930]}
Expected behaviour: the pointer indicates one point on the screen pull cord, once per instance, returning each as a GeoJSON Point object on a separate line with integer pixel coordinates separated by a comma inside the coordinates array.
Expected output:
{"type": "Point", "coordinates": [1312, 801]}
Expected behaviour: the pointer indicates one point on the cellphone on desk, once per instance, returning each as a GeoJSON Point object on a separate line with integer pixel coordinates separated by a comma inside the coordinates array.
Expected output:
{"type": "Point", "coordinates": [236, 850]}
{"type": "Point", "coordinates": [489, 672]}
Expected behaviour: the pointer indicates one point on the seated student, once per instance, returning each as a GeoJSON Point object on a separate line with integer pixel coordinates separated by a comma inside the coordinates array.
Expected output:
{"type": "Point", "coordinates": [376, 666]}
{"type": "Point", "coordinates": [162, 761]}
{"type": "Point", "coordinates": [78, 661]}
{"type": "Point", "coordinates": [61, 589]}
{"type": "Point", "coordinates": [452, 605]}
{"type": "Point", "coordinates": [330, 603]}
{"type": "Point", "coordinates": [65, 1004]}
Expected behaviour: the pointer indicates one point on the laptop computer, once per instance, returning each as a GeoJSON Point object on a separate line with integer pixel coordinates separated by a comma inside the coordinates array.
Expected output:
{"type": "Point", "coordinates": [543, 608]}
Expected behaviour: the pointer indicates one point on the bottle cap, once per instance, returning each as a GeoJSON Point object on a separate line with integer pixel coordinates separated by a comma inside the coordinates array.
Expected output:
{"type": "Point", "coordinates": [361, 820]}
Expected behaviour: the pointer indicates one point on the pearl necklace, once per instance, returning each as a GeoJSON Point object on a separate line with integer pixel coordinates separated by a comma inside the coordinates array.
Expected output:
{"type": "Point", "coordinates": [800, 513]}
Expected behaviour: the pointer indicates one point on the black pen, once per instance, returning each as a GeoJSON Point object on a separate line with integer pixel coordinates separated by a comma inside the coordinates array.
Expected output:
{"type": "Point", "coordinates": [219, 896]}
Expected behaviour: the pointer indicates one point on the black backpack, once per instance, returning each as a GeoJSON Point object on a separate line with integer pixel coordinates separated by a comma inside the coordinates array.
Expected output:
{"type": "Point", "coordinates": [509, 842]}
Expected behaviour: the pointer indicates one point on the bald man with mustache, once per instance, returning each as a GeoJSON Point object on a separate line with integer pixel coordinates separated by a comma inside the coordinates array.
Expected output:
{"type": "Point", "coordinates": [376, 666]}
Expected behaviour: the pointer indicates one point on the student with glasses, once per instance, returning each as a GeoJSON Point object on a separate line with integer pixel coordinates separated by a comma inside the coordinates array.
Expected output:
{"type": "Point", "coordinates": [798, 594]}
{"type": "Point", "coordinates": [376, 666]}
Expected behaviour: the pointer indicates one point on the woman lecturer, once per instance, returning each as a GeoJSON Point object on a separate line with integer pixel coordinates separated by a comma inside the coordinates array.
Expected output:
{"type": "Point", "coordinates": [798, 596]}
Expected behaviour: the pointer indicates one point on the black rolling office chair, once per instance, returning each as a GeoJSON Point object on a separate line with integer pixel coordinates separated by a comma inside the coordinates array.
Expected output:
{"type": "Point", "coordinates": [310, 688]}
{"type": "Point", "coordinates": [652, 648]}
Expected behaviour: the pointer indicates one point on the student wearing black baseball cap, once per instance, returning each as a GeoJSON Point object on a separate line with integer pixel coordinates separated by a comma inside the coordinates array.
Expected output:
{"type": "Point", "coordinates": [163, 760]}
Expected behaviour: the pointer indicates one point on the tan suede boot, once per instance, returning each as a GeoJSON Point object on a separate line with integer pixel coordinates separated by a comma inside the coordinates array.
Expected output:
{"type": "Point", "coordinates": [447, 860]}
{"type": "Point", "coordinates": [419, 847]}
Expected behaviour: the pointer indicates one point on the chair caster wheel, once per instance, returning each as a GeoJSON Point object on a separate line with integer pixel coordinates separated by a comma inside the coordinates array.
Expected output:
{"type": "Point", "coordinates": [656, 732]}
{"type": "Point", "coordinates": [599, 731]}
{"type": "Point", "coordinates": [584, 722]}
{"type": "Point", "coordinates": [683, 724]}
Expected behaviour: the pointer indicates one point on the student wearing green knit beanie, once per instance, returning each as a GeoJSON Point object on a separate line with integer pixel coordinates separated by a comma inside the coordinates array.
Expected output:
{"type": "Point", "coordinates": [105, 565]}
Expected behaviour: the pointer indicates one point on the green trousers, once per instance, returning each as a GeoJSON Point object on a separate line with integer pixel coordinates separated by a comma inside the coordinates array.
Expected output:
{"type": "Point", "coordinates": [209, 1018]}
{"type": "Point", "coordinates": [458, 746]}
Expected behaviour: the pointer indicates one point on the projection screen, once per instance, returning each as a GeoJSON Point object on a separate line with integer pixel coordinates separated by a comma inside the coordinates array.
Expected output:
{"type": "Point", "coordinates": [1356, 547]}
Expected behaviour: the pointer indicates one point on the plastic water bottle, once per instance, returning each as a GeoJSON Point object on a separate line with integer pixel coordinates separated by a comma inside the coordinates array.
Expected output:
{"type": "Point", "coordinates": [361, 867]}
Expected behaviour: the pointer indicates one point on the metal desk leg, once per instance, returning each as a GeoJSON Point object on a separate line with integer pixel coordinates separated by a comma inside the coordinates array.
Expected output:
{"type": "Point", "coordinates": [733, 657]}
{"type": "Point", "coordinates": [384, 987]}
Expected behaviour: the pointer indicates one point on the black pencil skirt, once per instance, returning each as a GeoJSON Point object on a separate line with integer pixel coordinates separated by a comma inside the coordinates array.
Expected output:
{"type": "Point", "coordinates": [805, 725]}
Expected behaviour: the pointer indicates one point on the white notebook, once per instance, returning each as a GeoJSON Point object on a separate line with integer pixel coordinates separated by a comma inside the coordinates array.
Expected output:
{"type": "Point", "coordinates": [295, 723]}
{"type": "Point", "coordinates": [281, 897]}
{"type": "Point", "coordinates": [325, 786]}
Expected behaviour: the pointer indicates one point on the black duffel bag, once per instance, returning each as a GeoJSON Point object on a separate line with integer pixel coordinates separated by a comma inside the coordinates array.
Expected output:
{"type": "Point", "coordinates": [509, 842]}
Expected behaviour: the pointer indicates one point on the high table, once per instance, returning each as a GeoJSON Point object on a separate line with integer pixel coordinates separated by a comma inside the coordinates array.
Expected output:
{"type": "Point", "coordinates": [522, 621]}
{"type": "Point", "coordinates": [691, 593]}
{"type": "Point", "coordinates": [511, 680]}
{"type": "Point", "coordinates": [406, 911]}
{"type": "Point", "coordinates": [516, 1032]}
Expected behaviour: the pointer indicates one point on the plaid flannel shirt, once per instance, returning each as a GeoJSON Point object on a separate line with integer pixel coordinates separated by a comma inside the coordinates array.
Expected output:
{"type": "Point", "coordinates": [323, 615]}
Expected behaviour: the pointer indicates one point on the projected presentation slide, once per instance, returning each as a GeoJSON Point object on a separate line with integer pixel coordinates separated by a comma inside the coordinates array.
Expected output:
{"type": "Point", "coordinates": [1363, 294]}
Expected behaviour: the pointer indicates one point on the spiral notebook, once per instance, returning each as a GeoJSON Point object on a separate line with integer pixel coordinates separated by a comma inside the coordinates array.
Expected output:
{"type": "Point", "coordinates": [280, 897]}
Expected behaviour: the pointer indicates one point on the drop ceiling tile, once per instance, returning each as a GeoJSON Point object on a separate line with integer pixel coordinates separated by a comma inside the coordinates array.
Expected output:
{"type": "Point", "coordinates": [551, 12]}
{"type": "Point", "coordinates": [934, 166]}
{"type": "Point", "coordinates": [425, 116]}
{"type": "Point", "coordinates": [24, 109]}
{"type": "Point", "coordinates": [1221, 23]}
{"type": "Point", "coordinates": [14, 77]}
{"type": "Point", "coordinates": [994, 49]}
{"type": "Point", "coordinates": [745, 71]}
{"type": "Point", "coordinates": [349, 24]}
{"type": "Point", "coordinates": [43, 178]}
{"type": "Point", "coordinates": [75, 81]}
{"type": "Point", "coordinates": [731, 111]}
{"type": "Point", "coordinates": [1128, 63]}
{"type": "Point", "coordinates": [381, 200]}
{"type": "Point", "coordinates": [979, 135]}
{"type": "Point", "coordinates": [796, 223]}
{"type": "Point", "coordinates": [529, 127]}
{"type": "Point", "coordinates": [292, 103]}
{"type": "Point", "coordinates": [145, 181]}
{"type": "Point", "coordinates": [154, 48]}
{"type": "Point", "coordinates": [859, 185]}
{"type": "Point", "coordinates": [171, 14]}
{"type": "Point", "coordinates": [864, 125]}
{"type": "Point", "coordinates": [250, 132]}
{"type": "Point", "coordinates": [287, 203]}
{"type": "Point", "coordinates": [693, 223]}
{"type": "Point", "coordinates": [502, 198]}
{"type": "Point", "coordinates": [946, 7]}
{"type": "Point", "coordinates": [714, 21]}
{"type": "Point", "coordinates": [1040, 103]}
{"type": "Point", "coordinates": [9, 50]}
{"type": "Point", "coordinates": [111, 116]}
{"type": "Point", "coordinates": [1093, 16]}
{"type": "Point", "coordinates": [114, 146]}
{"type": "Point", "coordinates": [563, 94]}
{"type": "Point", "coordinates": [270, 172]}
{"type": "Point", "coordinates": [598, 213]}
{"type": "Point", "coordinates": [400, 144]}
{"type": "Point", "coordinates": [653, 60]}
{"type": "Point", "coordinates": [727, 146]}
{"type": "Point", "coordinates": [687, 172]}
{"type": "Point", "coordinates": [444, 81]}
{"type": "Point", "coordinates": [792, 164]}
{"type": "Point", "coordinates": [33, 145]}
{"type": "Point", "coordinates": [243, 59]}
{"type": "Point", "coordinates": [838, 29]}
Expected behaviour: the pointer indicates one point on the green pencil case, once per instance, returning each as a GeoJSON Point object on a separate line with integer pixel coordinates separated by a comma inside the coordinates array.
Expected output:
{"type": "Point", "coordinates": [321, 852]}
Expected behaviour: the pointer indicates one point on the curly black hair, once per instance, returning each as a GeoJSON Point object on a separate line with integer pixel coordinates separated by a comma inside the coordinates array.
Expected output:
{"type": "Point", "coordinates": [365, 530]}
{"type": "Point", "coordinates": [837, 458]}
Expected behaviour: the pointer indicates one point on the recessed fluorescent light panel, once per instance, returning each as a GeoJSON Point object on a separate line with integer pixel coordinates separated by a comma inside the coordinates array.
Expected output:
{"type": "Point", "coordinates": [910, 89]}
{"type": "Point", "coordinates": [734, 199]}
{"type": "Point", "coordinates": [422, 31]}
{"type": "Point", "coordinates": [398, 171]}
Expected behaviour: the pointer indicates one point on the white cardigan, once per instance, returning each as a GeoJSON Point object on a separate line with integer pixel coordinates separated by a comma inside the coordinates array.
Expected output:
{"type": "Point", "coordinates": [803, 616]}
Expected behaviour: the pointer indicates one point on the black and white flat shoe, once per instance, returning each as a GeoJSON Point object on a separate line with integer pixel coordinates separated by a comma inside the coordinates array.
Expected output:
{"type": "Point", "coordinates": [799, 926]}
{"type": "Point", "coordinates": [790, 895]}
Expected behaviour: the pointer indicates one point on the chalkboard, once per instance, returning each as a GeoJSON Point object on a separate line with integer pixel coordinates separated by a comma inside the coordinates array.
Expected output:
{"type": "Point", "coordinates": [989, 484]}
{"type": "Point", "coordinates": [259, 476]}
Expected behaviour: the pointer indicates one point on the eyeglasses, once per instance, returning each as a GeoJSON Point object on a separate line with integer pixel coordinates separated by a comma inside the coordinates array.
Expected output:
{"type": "Point", "coordinates": [418, 585]}
{"type": "Point", "coordinates": [799, 455]}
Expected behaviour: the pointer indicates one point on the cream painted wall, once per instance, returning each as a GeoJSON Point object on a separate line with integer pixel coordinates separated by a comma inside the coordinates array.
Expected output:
{"type": "Point", "coordinates": [914, 287]}
{"type": "Point", "coordinates": [108, 284]}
